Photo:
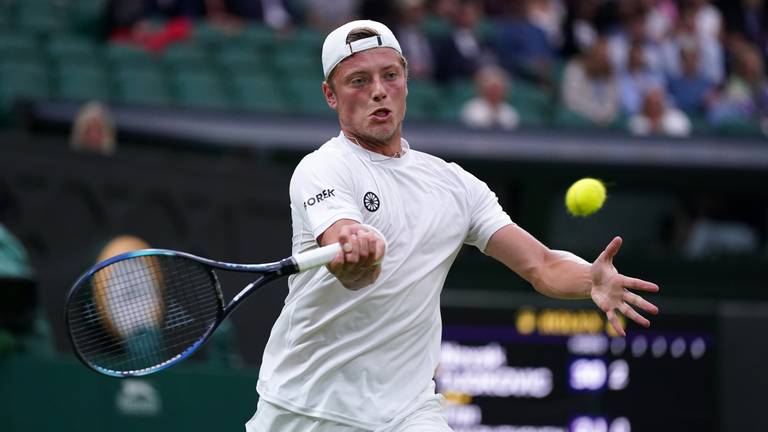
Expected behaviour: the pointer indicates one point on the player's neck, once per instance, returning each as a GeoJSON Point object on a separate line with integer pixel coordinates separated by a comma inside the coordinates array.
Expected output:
{"type": "Point", "coordinates": [390, 148]}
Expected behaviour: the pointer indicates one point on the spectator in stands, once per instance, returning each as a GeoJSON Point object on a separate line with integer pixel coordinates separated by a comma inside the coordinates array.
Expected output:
{"type": "Point", "coordinates": [707, 17]}
{"type": "Point", "coordinates": [746, 20]}
{"type": "Point", "coordinates": [632, 30]}
{"type": "Point", "coordinates": [460, 53]}
{"type": "Point", "coordinates": [580, 30]}
{"type": "Point", "coordinates": [324, 15]}
{"type": "Point", "coordinates": [152, 24]}
{"type": "Point", "coordinates": [691, 91]}
{"type": "Point", "coordinates": [413, 40]}
{"type": "Point", "coordinates": [658, 118]}
{"type": "Point", "coordinates": [549, 15]}
{"type": "Point", "coordinates": [636, 78]}
{"type": "Point", "coordinates": [490, 109]}
{"type": "Point", "coordinates": [745, 95]}
{"type": "Point", "coordinates": [686, 34]}
{"type": "Point", "coordinates": [228, 13]}
{"type": "Point", "coordinates": [589, 86]}
{"type": "Point", "coordinates": [23, 327]}
{"type": "Point", "coordinates": [523, 48]}
{"type": "Point", "coordinates": [661, 19]}
{"type": "Point", "coordinates": [93, 130]}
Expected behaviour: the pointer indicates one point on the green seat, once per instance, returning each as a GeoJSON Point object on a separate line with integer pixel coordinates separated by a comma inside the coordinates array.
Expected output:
{"type": "Point", "coordinates": [257, 93]}
{"type": "Point", "coordinates": [423, 97]}
{"type": "Point", "coordinates": [13, 45]}
{"type": "Point", "coordinates": [71, 48]}
{"type": "Point", "coordinates": [303, 40]}
{"type": "Point", "coordinates": [186, 56]}
{"type": "Point", "coordinates": [296, 64]}
{"type": "Point", "coordinates": [87, 16]}
{"type": "Point", "coordinates": [210, 35]}
{"type": "Point", "coordinates": [124, 55]}
{"type": "Point", "coordinates": [306, 96]}
{"type": "Point", "coordinates": [259, 36]}
{"type": "Point", "coordinates": [200, 89]}
{"type": "Point", "coordinates": [238, 59]}
{"type": "Point", "coordinates": [454, 96]}
{"type": "Point", "coordinates": [42, 16]}
{"type": "Point", "coordinates": [82, 82]}
{"type": "Point", "coordinates": [142, 86]}
{"type": "Point", "coordinates": [533, 103]}
{"type": "Point", "coordinates": [22, 80]}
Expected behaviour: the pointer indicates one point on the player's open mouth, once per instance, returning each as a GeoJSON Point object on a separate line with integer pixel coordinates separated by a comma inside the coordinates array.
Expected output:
{"type": "Point", "coordinates": [381, 114]}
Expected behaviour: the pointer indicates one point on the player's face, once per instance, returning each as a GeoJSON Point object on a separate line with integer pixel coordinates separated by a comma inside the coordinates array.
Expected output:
{"type": "Point", "coordinates": [370, 91]}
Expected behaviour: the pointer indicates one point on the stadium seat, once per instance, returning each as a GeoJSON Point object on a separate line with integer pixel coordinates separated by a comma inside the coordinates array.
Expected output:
{"type": "Point", "coordinates": [70, 47]}
{"type": "Point", "coordinates": [257, 93]}
{"type": "Point", "coordinates": [142, 86]}
{"type": "Point", "coordinates": [82, 82]}
{"type": "Point", "coordinates": [199, 89]}
{"type": "Point", "coordinates": [124, 55]}
{"type": "Point", "coordinates": [532, 103]}
{"type": "Point", "coordinates": [186, 56]}
{"type": "Point", "coordinates": [259, 36]}
{"type": "Point", "coordinates": [454, 96]}
{"type": "Point", "coordinates": [42, 16]}
{"type": "Point", "coordinates": [16, 45]}
{"type": "Point", "coordinates": [240, 58]}
{"type": "Point", "coordinates": [306, 96]}
{"type": "Point", "coordinates": [21, 80]}
{"type": "Point", "coordinates": [87, 16]}
{"type": "Point", "coordinates": [296, 64]}
{"type": "Point", "coordinates": [423, 98]}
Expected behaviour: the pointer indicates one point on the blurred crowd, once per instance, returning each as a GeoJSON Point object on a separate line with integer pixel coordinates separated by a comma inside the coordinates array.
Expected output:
{"type": "Point", "coordinates": [653, 65]}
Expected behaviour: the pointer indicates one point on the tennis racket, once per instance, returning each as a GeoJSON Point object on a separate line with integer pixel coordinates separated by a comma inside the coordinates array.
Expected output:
{"type": "Point", "coordinates": [141, 312]}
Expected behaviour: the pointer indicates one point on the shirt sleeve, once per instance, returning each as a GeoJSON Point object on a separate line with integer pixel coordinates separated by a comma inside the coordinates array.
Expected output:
{"type": "Point", "coordinates": [322, 193]}
{"type": "Point", "coordinates": [485, 212]}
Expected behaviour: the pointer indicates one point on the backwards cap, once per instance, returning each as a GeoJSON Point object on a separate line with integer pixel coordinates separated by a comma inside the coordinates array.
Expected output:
{"type": "Point", "coordinates": [336, 48]}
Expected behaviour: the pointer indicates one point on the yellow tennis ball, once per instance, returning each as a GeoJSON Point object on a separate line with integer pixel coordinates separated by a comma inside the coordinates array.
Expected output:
{"type": "Point", "coordinates": [585, 197]}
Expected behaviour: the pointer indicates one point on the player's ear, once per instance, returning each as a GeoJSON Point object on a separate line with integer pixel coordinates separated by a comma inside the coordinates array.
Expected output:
{"type": "Point", "coordinates": [330, 96]}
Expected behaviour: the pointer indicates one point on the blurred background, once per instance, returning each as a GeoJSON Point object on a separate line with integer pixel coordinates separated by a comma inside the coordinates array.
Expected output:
{"type": "Point", "coordinates": [177, 124]}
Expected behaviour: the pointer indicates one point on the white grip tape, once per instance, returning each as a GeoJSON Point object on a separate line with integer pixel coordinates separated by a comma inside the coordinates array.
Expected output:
{"type": "Point", "coordinates": [317, 257]}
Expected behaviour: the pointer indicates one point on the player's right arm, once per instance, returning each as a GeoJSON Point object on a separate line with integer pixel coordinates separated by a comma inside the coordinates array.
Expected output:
{"type": "Point", "coordinates": [359, 262]}
{"type": "Point", "coordinates": [322, 193]}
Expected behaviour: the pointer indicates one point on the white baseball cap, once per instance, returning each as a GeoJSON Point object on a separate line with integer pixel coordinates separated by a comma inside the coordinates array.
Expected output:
{"type": "Point", "coordinates": [336, 48]}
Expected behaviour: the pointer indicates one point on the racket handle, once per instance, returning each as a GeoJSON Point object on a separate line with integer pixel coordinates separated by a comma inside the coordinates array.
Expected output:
{"type": "Point", "coordinates": [317, 257]}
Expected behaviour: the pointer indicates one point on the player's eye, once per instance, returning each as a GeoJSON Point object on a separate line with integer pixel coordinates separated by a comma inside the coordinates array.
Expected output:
{"type": "Point", "coordinates": [391, 75]}
{"type": "Point", "coordinates": [357, 82]}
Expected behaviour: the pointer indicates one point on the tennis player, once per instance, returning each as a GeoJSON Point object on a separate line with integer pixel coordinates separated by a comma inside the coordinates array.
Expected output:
{"type": "Point", "coordinates": [357, 343]}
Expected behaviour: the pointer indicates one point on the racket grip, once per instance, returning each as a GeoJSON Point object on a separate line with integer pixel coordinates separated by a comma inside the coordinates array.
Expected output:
{"type": "Point", "coordinates": [317, 257]}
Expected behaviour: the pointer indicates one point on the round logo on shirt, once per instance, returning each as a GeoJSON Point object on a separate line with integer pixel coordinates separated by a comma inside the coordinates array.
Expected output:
{"type": "Point", "coordinates": [371, 201]}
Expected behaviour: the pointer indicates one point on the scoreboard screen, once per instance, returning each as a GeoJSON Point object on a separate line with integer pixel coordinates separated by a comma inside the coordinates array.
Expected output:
{"type": "Point", "coordinates": [550, 369]}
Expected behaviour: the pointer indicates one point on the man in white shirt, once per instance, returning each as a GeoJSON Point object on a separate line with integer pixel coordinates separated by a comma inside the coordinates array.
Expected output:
{"type": "Point", "coordinates": [357, 342]}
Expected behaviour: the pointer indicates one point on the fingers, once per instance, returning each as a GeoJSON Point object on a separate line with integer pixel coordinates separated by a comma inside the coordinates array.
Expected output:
{"type": "Point", "coordinates": [361, 248]}
{"type": "Point", "coordinates": [614, 320]}
{"type": "Point", "coordinates": [632, 314]}
{"type": "Point", "coordinates": [611, 250]}
{"type": "Point", "coordinates": [640, 302]}
{"type": "Point", "coordinates": [640, 284]}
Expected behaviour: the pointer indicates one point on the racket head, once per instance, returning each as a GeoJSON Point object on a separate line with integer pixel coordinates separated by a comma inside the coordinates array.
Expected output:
{"type": "Point", "coordinates": [142, 311]}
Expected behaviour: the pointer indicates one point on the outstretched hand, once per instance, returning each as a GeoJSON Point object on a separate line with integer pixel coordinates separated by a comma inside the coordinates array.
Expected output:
{"type": "Point", "coordinates": [611, 290]}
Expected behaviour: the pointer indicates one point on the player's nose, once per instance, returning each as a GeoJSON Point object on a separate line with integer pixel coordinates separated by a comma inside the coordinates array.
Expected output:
{"type": "Point", "coordinates": [379, 90]}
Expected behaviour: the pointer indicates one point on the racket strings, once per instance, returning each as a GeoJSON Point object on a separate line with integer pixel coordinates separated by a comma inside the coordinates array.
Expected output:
{"type": "Point", "coordinates": [144, 311]}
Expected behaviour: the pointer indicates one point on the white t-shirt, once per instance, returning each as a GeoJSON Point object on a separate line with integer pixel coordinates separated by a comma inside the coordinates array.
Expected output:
{"type": "Point", "coordinates": [363, 357]}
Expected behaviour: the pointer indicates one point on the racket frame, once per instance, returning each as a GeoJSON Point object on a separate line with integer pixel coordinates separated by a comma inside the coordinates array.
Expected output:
{"type": "Point", "coordinates": [268, 272]}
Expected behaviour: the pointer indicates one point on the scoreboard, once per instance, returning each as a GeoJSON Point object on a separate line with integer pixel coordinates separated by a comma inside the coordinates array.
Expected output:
{"type": "Point", "coordinates": [562, 369]}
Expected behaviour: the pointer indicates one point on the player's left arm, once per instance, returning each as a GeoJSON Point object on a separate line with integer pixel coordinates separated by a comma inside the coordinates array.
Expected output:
{"type": "Point", "coordinates": [561, 274]}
